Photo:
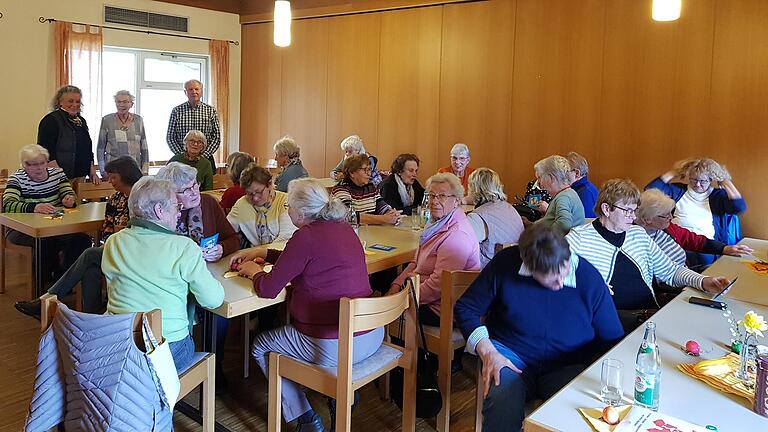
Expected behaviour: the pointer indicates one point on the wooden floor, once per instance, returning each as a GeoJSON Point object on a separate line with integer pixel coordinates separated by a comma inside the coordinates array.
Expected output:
{"type": "Point", "coordinates": [243, 408]}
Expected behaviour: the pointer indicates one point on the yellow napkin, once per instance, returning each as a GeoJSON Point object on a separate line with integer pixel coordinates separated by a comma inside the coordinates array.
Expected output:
{"type": "Point", "coordinates": [727, 382]}
{"type": "Point", "coordinates": [367, 252]}
{"type": "Point", "coordinates": [594, 416]}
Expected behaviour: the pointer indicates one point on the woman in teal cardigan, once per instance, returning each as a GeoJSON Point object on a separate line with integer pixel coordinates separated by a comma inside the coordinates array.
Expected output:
{"type": "Point", "coordinates": [194, 143]}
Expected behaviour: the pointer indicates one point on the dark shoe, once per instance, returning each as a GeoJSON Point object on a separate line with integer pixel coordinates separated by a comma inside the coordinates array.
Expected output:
{"type": "Point", "coordinates": [456, 365]}
{"type": "Point", "coordinates": [315, 424]}
{"type": "Point", "coordinates": [332, 409]}
{"type": "Point", "coordinates": [31, 308]}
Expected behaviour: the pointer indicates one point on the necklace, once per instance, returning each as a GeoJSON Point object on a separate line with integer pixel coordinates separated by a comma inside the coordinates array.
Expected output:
{"type": "Point", "coordinates": [124, 122]}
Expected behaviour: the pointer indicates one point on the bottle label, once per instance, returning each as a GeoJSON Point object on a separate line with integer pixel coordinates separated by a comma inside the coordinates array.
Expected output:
{"type": "Point", "coordinates": [645, 385]}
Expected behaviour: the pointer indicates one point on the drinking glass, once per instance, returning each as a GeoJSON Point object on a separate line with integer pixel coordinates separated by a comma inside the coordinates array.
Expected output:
{"type": "Point", "coordinates": [610, 381]}
{"type": "Point", "coordinates": [416, 219]}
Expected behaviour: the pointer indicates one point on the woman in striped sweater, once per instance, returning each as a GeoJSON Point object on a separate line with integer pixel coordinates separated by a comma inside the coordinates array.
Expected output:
{"type": "Point", "coordinates": [361, 196]}
{"type": "Point", "coordinates": [627, 258]}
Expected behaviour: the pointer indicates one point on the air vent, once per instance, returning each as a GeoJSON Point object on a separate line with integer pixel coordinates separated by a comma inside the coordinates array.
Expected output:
{"type": "Point", "coordinates": [146, 20]}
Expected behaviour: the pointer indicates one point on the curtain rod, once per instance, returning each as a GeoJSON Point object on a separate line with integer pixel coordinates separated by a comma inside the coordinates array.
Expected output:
{"type": "Point", "coordinates": [149, 32]}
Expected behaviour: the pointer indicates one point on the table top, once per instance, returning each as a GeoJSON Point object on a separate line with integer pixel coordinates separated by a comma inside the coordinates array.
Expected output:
{"type": "Point", "coordinates": [681, 396]}
{"type": "Point", "coordinates": [239, 297]}
{"type": "Point", "coordinates": [751, 287]}
{"type": "Point", "coordinates": [328, 182]}
{"type": "Point", "coordinates": [216, 193]}
{"type": "Point", "coordinates": [84, 218]}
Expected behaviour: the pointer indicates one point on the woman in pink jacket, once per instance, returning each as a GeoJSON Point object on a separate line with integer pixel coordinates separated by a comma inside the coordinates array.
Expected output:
{"type": "Point", "coordinates": [447, 243]}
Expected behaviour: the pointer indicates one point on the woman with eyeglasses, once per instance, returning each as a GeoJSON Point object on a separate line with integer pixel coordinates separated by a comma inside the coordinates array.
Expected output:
{"type": "Point", "coordinates": [565, 211]}
{"type": "Point", "coordinates": [655, 215]}
{"type": "Point", "coordinates": [361, 196]}
{"type": "Point", "coordinates": [627, 257]}
{"type": "Point", "coordinates": [260, 216]}
{"type": "Point", "coordinates": [447, 243]}
{"type": "Point", "coordinates": [459, 164]}
{"type": "Point", "coordinates": [194, 144]}
{"type": "Point", "coordinates": [706, 201]}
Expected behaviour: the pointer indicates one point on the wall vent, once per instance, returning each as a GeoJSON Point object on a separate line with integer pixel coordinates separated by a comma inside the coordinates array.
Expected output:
{"type": "Point", "coordinates": [145, 20]}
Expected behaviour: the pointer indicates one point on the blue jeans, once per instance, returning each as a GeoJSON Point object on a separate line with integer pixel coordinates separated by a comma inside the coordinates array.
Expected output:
{"type": "Point", "coordinates": [182, 352]}
{"type": "Point", "coordinates": [504, 407]}
{"type": "Point", "coordinates": [87, 271]}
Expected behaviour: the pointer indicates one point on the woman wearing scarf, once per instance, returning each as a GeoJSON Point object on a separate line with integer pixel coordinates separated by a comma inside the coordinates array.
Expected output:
{"type": "Point", "coordinates": [194, 143]}
{"type": "Point", "coordinates": [447, 243]}
{"type": "Point", "coordinates": [707, 203]}
{"type": "Point", "coordinates": [260, 216]}
{"type": "Point", "coordinates": [402, 190]}
{"type": "Point", "coordinates": [287, 156]}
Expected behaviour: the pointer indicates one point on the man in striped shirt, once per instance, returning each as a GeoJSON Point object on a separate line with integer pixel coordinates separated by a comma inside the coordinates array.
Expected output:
{"type": "Point", "coordinates": [194, 115]}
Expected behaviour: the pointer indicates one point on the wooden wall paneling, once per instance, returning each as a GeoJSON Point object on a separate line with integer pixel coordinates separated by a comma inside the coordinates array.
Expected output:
{"type": "Point", "coordinates": [261, 92]}
{"type": "Point", "coordinates": [353, 78]}
{"type": "Point", "coordinates": [304, 84]}
{"type": "Point", "coordinates": [739, 107]}
{"type": "Point", "coordinates": [409, 86]}
{"type": "Point", "coordinates": [476, 83]}
{"type": "Point", "coordinates": [557, 81]}
{"type": "Point", "coordinates": [654, 88]}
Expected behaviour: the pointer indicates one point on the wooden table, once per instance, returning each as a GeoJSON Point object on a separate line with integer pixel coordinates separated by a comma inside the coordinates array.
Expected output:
{"type": "Point", "coordinates": [681, 396]}
{"type": "Point", "coordinates": [328, 183]}
{"type": "Point", "coordinates": [751, 287]}
{"type": "Point", "coordinates": [86, 218]}
{"type": "Point", "coordinates": [216, 193]}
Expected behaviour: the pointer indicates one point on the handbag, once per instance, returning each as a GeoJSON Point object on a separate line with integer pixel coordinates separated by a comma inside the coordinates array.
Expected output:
{"type": "Point", "coordinates": [161, 364]}
{"type": "Point", "coordinates": [429, 400]}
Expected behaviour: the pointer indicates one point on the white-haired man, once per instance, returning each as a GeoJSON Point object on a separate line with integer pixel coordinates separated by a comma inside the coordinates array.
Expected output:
{"type": "Point", "coordinates": [194, 115]}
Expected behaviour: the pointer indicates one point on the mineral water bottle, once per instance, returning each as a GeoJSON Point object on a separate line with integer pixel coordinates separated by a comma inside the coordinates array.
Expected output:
{"type": "Point", "coordinates": [648, 370]}
{"type": "Point", "coordinates": [425, 213]}
{"type": "Point", "coordinates": [352, 218]}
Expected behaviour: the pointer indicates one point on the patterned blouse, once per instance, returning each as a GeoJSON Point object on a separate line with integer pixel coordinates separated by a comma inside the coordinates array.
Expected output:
{"type": "Point", "coordinates": [116, 215]}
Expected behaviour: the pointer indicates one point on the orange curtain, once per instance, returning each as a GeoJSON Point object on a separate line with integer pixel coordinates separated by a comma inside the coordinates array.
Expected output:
{"type": "Point", "coordinates": [219, 51]}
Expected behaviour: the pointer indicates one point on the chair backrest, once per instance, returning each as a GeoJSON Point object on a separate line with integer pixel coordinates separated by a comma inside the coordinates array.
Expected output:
{"type": "Point", "coordinates": [368, 313]}
{"type": "Point", "coordinates": [88, 191]}
{"type": "Point", "coordinates": [453, 284]}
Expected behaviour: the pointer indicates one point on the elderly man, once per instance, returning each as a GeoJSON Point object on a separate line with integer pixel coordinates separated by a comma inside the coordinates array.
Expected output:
{"type": "Point", "coordinates": [580, 183]}
{"type": "Point", "coordinates": [459, 165]}
{"type": "Point", "coordinates": [547, 312]}
{"type": "Point", "coordinates": [194, 115]}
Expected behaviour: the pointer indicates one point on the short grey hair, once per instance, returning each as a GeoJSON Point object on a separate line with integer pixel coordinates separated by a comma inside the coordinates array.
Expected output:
{"type": "Point", "coordinates": [146, 194]}
{"type": "Point", "coordinates": [61, 92]}
{"type": "Point", "coordinates": [177, 173]}
{"type": "Point", "coordinates": [578, 162]}
{"type": "Point", "coordinates": [460, 149]}
{"type": "Point", "coordinates": [653, 202]}
{"type": "Point", "coordinates": [451, 179]}
{"type": "Point", "coordinates": [354, 143]}
{"type": "Point", "coordinates": [197, 135]}
{"type": "Point", "coordinates": [286, 146]}
{"type": "Point", "coordinates": [556, 166]}
{"type": "Point", "coordinates": [485, 186]}
{"type": "Point", "coordinates": [310, 200]}
{"type": "Point", "coordinates": [33, 151]}
{"type": "Point", "coordinates": [186, 83]}
{"type": "Point", "coordinates": [125, 93]}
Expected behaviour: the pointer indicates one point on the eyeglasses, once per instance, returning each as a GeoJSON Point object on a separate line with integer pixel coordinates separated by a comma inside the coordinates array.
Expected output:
{"type": "Point", "coordinates": [439, 197]}
{"type": "Point", "coordinates": [195, 141]}
{"type": "Point", "coordinates": [459, 158]}
{"type": "Point", "coordinates": [626, 211]}
{"type": "Point", "coordinates": [665, 216]}
{"type": "Point", "coordinates": [367, 170]}
{"type": "Point", "coordinates": [35, 164]}
{"type": "Point", "coordinates": [700, 182]}
{"type": "Point", "coordinates": [190, 191]}
{"type": "Point", "coordinates": [258, 192]}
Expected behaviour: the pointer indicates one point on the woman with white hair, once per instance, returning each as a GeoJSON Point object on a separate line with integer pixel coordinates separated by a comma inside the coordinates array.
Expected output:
{"type": "Point", "coordinates": [323, 261]}
{"type": "Point", "coordinates": [194, 144]}
{"type": "Point", "coordinates": [494, 220]}
{"type": "Point", "coordinates": [459, 164]}
{"type": "Point", "coordinates": [353, 145]}
{"type": "Point", "coordinates": [148, 266]}
{"type": "Point", "coordinates": [122, 134]}
{"type": "Point", "coordinates": [447, 243]}
{"type": "Point", "coordinates": [287, 154]}
{"type": "Point", "coordinates": [655, 215]}
{"type": "Point", "coordinates": [565, 211]}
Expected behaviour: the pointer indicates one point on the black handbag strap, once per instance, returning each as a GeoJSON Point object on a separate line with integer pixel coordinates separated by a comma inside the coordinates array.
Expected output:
{"type": "Point", "coordinates": [416, 303]}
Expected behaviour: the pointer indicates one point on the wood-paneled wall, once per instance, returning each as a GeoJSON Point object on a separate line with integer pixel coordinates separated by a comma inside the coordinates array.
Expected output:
{"type": "Point", "coordinates": [520, 80]}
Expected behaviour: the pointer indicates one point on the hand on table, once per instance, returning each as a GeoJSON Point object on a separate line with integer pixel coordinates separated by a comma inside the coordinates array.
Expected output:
{"type": "Point", "coordinates": [44, 208]}
{"type": "Point", "coordinates": [95, 179]}
{"type": "Point", "coordinates": [249, 269]}
{"type": "Point", "coordinates": [249, 254]}
{"type": "Point", "coordinates": [737, 250]}
{"type": "Point", "coordinates": [68, 201]}
{"type": "Point", "coordinates": [213, 254]}
{"type": "Point", "coordinates": [493, 363]}
{"type": "Point", "coordinates": [392, 217]}
{"type": "Point", "coordinates": [714, 285]}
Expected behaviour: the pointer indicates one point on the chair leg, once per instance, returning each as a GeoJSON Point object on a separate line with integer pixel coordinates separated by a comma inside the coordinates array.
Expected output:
{"type": "Point", "coordinates": [246, 345]}
{"type": "Point", "coordinates": [2, 259]}
{"type": "Point", "coordinates": [274, 414]}
{"type": "Point", "coordinates": [479, 396]}
{"type": "Point", "coordinates": [208, 388]}
{"type": "Point", "coordinates": [384, 387]}
{"type": "Point", "coordinates": [409, 399]}
{"type": "Point", "coordinates": [444, 383]}
{"type": "Point", "coordinates": [344, 410]}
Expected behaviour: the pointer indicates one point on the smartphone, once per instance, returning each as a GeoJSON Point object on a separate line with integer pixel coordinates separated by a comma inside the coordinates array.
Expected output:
{"type": "Point", "coordinates": [713, 303]}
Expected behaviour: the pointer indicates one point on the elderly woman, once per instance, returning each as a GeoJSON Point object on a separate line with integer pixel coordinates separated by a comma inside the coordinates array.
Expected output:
{"type": "Point", "coordinates": [447, 243]}
{"type": "Point", "coordinates": [138, 281]}
{"type": "Point", "coordinates": [260, 216]}
{"type": "Point", "coordinates": [565, 211]}
{"type": "Point", "coordinates": [236, 163]}
{"type": "Point", "coordinates": [194, 143]}
{"type": "Point", "coordinates": [323, 262]}
{"type": "Point", "coordinates": [64, 133]}
{"type": "Point", "coordinates": [494, 220]}
{"type": "Point", "coordinates": [38, 188]}
{"type": "Point", "coordinates": [627, 258]}
{"type": "Point", "coordinates": [580, 183]}
{"type": "Point", "coordinates": [707, 203]}
{"type": "Point", "coordinates": [402, 190]}
{"type": "Point", "coordinates": [122, 173]}
{"type": "Point", "coordinates": [655, 215]}
{"type": "Point", "coordinates": [353, 145]}
{"type": "Point", "coordinates": [459, 164]}
{"type": "Point", "coordinates": [287, 154]}
{"type": "Point", "coordinates": [122, 134]}
{"type": "Point", "coordinates": [361, 196]}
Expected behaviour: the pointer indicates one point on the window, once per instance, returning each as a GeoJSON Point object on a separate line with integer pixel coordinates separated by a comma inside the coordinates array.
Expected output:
{"type": "Point", "coordinates": [156, 79]}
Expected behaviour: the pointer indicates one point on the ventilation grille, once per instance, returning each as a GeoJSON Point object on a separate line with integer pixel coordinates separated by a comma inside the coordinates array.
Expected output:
{"type": "Point", "coordinates": [146, 20]}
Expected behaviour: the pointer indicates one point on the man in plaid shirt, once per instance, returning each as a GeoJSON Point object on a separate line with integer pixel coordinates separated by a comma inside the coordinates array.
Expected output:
{"type": "Point", "coordinates": [194, 115]}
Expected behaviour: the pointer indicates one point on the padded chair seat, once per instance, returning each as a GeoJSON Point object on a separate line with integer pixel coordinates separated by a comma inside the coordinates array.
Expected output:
{"type": "Point", "coordinates": [384, 355]}
{"type": "Point", "coordinates": [196, 358]}
{"type": "Point", "coordinates": [456, 337]}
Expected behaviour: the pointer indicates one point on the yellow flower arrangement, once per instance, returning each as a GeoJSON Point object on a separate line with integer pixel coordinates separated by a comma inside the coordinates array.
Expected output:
{"type": "Point", "coordinates": [754, 323]}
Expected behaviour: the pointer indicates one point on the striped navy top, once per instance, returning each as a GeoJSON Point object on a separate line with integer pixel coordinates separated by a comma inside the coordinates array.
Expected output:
{"type": "Point", "coordinates": [22, 193]}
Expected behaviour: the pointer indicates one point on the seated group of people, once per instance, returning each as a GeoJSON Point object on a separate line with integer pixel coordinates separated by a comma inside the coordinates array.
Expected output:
{"type": "Point", "coordinates": [603, 272]}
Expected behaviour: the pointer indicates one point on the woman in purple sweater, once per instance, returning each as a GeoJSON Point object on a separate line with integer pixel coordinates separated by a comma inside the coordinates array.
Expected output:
{"type": "Point", "coordinates": [323, 261]}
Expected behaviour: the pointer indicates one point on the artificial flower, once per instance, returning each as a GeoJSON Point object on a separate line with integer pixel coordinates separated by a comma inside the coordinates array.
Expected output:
{"type": "Point", "coordinates": [754, 323]}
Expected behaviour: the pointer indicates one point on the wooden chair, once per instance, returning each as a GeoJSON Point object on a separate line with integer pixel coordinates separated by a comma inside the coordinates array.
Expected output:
{"type": "Point", "coordinates": [202, 371]}
{"type": "Point", "coordinates": [340, 383]}
{"type": "Point", "coordinates": [221, 181]}
{"type": "Point", "coordinates": [87, 191]}
{"type": "Point", "coordinates": [26, 254]}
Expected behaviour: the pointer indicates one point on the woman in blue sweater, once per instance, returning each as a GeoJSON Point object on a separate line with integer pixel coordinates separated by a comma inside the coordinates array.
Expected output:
{"type": "Point", "coordinates": [548, 313]}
